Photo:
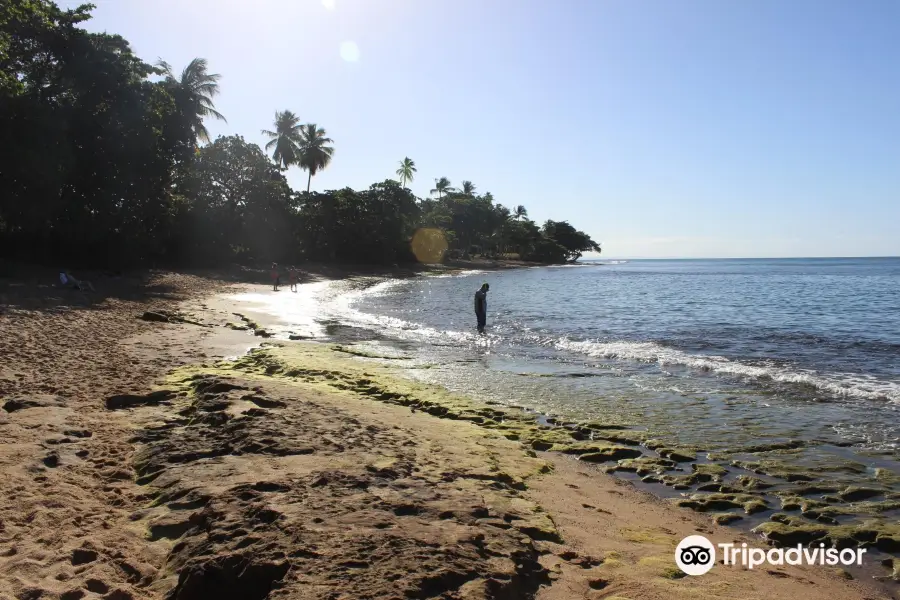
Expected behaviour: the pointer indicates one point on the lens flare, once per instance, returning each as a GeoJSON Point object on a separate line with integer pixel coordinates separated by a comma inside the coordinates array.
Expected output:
{"type": "Point", "coordinates": [428, 245]}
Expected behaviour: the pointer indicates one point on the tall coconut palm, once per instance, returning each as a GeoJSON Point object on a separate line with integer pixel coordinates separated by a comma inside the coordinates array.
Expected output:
{"type": "Point", "coordinates": [520, 212]}
{"type": "Point", "coordinates": [441, 187]}
{"type": "Point", "coordinates": [468, 188]}
{"type": "Point", "coordinates": [407, 171]}
{"type": "Point", "coordinates": [315, 153]}
{"type": "Point", "coordinates": [285, 139]}
{"type": "Point", "coordinates": [194, 91]}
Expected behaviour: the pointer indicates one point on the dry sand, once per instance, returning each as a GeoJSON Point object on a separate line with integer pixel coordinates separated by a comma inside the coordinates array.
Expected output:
{"type": "Point", "coordinates": [124, 480]}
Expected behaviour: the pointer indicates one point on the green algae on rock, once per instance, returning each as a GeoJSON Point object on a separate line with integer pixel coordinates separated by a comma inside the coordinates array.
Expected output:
{"type": "Point", "coordinates": [645, 465]}
{"type": "Point", "coordinates": [709, 471]}
{"type": "Point", "coordinates": [600, 442]}
{"type": "Point", "coordinates": [776, 469]}
{"type": "Point", "coordinates": [708, 502]}
{"type": "Point", "coordinates": [784, 530]}
{"type": "Point", "coordinates": [726, 518]}
{"type": "Point", "coordinates": [611, 453]}
{"type": "Point", "coordinates": [677, 454]}
{"type": "Point", "coordinates": [327, 367]}
{"type": "Point", "coordinates": [750, 483]}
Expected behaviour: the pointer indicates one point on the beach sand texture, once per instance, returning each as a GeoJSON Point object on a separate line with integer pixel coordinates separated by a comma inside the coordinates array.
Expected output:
{"type": "Point", "coordinates": [136, 463]}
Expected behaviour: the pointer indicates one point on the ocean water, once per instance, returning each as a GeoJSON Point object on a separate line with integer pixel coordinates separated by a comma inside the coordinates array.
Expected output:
{"type": "Point", "coordinates": [728, 356]}
{"type": "Point", "coordinates": [719, 354]}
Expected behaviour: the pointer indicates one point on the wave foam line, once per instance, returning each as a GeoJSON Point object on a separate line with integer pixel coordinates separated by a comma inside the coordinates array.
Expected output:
{"type": "Point", "coordinates": [847, 385]}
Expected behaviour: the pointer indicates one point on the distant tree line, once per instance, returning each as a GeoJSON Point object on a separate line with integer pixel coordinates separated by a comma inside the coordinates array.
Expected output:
{"type": "Point", "coordinates": [105, 160]}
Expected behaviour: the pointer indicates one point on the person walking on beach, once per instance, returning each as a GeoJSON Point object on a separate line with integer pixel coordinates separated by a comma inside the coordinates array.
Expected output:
{"type": "Point", "coordinates": [276, 278]}
{"type": "Point", "coordinates": [481, 306]}
{"type": "Point", "coordinates": [292, 278]}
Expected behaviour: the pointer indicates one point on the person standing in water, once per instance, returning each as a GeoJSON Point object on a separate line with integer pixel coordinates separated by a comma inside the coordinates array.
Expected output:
{"type": "Point", "coordinates": [481, 306]}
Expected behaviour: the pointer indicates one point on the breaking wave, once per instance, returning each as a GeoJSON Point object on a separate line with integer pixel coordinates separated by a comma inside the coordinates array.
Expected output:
{"type": "Point", "coordinates": [845, 385]}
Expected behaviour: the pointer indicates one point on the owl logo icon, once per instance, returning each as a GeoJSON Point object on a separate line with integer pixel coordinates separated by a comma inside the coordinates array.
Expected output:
{"type": "Point", "coordinates": [695, 555]}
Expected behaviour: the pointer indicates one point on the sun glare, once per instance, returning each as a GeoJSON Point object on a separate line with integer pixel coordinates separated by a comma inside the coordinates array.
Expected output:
{"type": "Point", "coordinates": [349, 51]}
{"type": "Point", "coordinates": [329, 4]}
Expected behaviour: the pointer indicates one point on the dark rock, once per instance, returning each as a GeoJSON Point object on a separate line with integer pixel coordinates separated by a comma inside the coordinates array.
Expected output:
{"type": "Point", "coordinates": [709, 487]}
{"type": "Point", "coordinates": [855, 494]}
{"type": "Point", "coordinates": [677, 454]}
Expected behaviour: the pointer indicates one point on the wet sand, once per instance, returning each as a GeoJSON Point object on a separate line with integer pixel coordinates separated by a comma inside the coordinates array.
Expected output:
{"type": "Point", "coordinates": [137, 464]}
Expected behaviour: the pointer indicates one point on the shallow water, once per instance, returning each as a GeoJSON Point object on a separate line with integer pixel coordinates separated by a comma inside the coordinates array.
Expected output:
{"type": "Point", "coordinates": [718, 355]}
{"type": "Point", "coordinates": [815, 342]}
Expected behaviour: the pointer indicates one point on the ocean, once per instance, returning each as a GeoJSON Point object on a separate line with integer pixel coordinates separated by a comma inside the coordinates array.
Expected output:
{"type": "Point", "coordinates": [789, 368]}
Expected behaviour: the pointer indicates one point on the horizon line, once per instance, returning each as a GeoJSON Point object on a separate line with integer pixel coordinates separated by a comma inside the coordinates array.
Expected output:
{"type": "Point", "coordinates": [737, 257]}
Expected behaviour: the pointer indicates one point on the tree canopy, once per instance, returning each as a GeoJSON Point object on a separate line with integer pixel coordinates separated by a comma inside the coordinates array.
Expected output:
{"type": "Point", "coordinates": [101, 165]}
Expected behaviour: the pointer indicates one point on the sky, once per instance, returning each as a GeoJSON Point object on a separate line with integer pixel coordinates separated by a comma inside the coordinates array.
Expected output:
{"type": "Point", "coordinates": [697, 128]}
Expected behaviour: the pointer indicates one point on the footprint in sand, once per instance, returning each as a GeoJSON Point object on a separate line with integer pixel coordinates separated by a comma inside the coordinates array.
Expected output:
{"type": "Point", "coordinates": [81, 556]}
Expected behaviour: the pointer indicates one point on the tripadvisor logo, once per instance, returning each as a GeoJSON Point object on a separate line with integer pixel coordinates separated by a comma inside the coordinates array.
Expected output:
{"type": "Point", "coordinates": [696, 555]}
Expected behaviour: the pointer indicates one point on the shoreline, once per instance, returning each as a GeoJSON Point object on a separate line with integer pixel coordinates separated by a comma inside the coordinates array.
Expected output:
{"type": "Point", "coordinates": [405, 469]}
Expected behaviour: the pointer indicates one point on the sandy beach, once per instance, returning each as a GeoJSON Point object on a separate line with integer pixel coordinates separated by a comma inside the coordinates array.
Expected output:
{"type": "Point", "coordinates": [190, 456]}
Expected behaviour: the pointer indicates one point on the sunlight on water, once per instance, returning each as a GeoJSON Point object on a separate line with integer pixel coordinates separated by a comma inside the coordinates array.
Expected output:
{"type": "Point", "coordinates": [302, 311]}
{"type": "Point", "coordinates": [713, 357]}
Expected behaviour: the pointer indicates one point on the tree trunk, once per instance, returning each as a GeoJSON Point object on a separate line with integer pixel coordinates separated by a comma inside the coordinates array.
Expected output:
{"type": "Point", "coordinates": [308, 182]}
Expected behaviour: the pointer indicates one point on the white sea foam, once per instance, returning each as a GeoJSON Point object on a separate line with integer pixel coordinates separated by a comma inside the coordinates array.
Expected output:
{"type": "Point", "coordinates": [343, 307]}
{"type": "Point", "coordinates": [847, 385]}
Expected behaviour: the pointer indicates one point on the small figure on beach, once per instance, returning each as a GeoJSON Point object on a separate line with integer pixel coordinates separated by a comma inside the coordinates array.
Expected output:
{"type": "Point", "coordinates": [276, 278]}
{"type": "Point", "coordinates": [292, 278]}
{"type": "Point", "coordinates": [481, 306]}
{"type": "Point", "coordinates": [67, 280]}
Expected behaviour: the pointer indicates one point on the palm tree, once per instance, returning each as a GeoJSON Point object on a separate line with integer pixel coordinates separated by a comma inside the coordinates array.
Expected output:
{"type": "Point", "coordinates": [194, 91]}
{"type": "Point", "coordinates": [285, 138]}
{"type": "Point", "coordinates": [406, 170]}
{"type": "Point", "coordinates": [315, 153]}
{"type": "Point", "coordinates": [468, 188]}
{"type": "Point", "coordinates": [441, 186]}
{"type": "Point", "coordinates": [520, 212]}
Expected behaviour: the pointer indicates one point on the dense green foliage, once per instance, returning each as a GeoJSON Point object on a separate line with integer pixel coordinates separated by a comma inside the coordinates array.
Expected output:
{"type": "Point", "coordinates": [101, 165]}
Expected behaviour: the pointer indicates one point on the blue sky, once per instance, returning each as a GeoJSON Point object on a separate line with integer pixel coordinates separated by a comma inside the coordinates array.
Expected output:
{"type": "Point", "coordinates": [698, 128]}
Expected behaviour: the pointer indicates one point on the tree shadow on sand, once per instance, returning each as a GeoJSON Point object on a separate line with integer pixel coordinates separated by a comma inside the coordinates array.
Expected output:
{"type": "Point", "coordinates": [39, 290]}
